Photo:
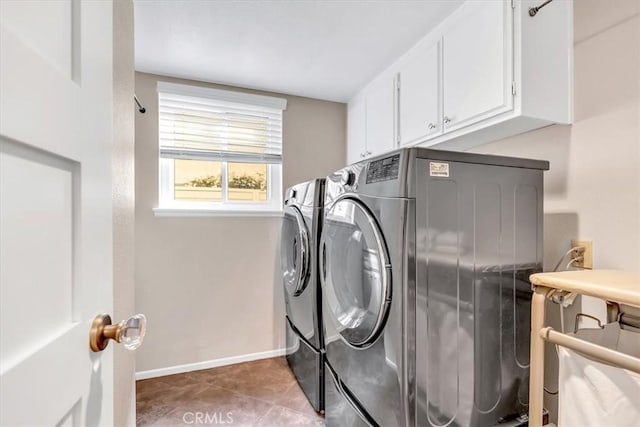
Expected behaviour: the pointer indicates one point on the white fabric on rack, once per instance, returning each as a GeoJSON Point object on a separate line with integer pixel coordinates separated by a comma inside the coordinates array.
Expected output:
{"type": "Point", "coordinates": [595, 394]}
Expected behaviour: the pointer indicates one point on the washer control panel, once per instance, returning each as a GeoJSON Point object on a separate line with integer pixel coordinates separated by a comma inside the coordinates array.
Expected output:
{"type": "Point", "coordinates": [384, 169]}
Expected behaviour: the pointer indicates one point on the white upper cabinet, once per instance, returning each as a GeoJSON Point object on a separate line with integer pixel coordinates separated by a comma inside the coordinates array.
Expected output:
{"type": "Point", "coordinates": [477, 63]}
{"type": "Point", "coordinates": [488, 71]}
{"type": "Point", "coordinates": [371, 120]}
{"type": "Point", "coordinates": [380, 116]}
{"type": "Point", "coordinates": [356, 130]}
{"type": "Point", "coordinates": [419, 99]}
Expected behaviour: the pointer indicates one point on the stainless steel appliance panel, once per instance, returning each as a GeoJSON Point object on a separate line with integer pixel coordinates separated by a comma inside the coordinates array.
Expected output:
{"type": "Point", "coordinates": [379, 176]}
{"type": "Point", "coordinates": [307, 364]}
{"type": "Point", "coordinates": [478, 238]}
{"type": "Point", "coordinates": [345, 409]}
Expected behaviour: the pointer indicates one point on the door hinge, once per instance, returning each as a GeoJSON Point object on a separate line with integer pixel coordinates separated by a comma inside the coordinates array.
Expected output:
{"type": "Point", "coordinates": [513, 88]}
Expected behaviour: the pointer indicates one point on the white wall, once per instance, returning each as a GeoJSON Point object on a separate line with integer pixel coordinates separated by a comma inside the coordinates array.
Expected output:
{"type": "Point", "coordinates": [592, 191]}
{"type": "Point", "coordinates": [210, 286]}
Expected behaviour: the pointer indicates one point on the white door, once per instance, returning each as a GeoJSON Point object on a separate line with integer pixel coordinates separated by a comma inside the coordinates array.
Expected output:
{"type": "Point", "coordinates": [356, 130]}
{"type": "Point", "coordinates": [478, 65]}
{"type": "Point", "coordinates": [55, 211]}
{"type": "Point", "coordinates": [419, 99]}
{"type": "Point", "coordinates": [380, 116]}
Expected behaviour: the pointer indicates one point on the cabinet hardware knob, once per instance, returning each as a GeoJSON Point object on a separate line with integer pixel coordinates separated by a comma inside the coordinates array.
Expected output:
{"type": "Point", "coordinates": [368, 153]}
{"type": "Point", "coordinates": [446, 120]}
{"type": "Point", "coordinates": [431, 125]}
{"type": "Point", "coordinates": [129, 332]}
{"type": "Point", "coordinates": [362, 155]}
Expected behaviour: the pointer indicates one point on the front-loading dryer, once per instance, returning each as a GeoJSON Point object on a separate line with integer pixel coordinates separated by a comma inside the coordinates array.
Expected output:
{"type": "Point", "coordinates": [363, 248]}
{"type": "Point", "coordinates": [300, 235]}
{"type": "Point", "coordinates": [425, 260]}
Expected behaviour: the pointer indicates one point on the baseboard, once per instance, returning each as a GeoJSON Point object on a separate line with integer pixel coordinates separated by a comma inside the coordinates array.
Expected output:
{"type": "Point", "coordinates": [207, 364]}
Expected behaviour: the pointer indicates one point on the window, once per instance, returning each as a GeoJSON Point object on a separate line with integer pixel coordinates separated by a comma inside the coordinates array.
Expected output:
{"type": "Point", "coordinates": [220, 151]}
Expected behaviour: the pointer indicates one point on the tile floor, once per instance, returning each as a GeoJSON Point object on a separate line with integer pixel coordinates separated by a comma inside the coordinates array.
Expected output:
{"type": "Point", "coordinates": [260, 393]}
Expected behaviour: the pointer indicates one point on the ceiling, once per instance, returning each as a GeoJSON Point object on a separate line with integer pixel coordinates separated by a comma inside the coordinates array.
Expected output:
{"type": "Point", "coordinates": [320, 49]}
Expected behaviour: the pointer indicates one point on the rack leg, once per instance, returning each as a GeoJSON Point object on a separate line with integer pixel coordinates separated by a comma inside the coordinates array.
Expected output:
{"type": "Point", "coordinates": [536, 376]}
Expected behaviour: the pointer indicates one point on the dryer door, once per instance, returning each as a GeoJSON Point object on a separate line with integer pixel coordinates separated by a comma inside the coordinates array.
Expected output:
{"type": "Point", "coordinates": [294, 251]}
{"type": "Point", "coordinates": [356, 274]}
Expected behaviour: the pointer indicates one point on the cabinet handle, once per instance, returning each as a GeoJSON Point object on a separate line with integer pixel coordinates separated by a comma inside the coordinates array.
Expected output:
{"type": "Point", "coordinates": [446, 120]}
{"type": "Point", "coordinates": [431, 125]}
{"type": "Point", "coordinates": [368, 153]}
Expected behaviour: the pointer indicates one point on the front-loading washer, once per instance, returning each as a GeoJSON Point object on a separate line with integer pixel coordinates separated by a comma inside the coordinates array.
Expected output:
{"type": "Point", "coordinates": [300, 235]}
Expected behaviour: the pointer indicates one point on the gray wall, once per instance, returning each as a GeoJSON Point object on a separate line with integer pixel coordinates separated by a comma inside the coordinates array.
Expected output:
{"type": "Point", "coordinates": [209, 285]}
{"type": "Point", "coordinates": [593, 188]}
{"type": "Point", "coordinates": [123, 205]}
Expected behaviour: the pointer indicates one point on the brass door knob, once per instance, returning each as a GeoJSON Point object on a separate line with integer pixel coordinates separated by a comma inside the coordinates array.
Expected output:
{"type": "Point", "coordinates": [129, 332]}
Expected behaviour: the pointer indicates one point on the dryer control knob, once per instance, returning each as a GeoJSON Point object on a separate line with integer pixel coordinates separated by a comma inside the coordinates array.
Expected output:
{"type": "Point", "coordinates": [347, 178]}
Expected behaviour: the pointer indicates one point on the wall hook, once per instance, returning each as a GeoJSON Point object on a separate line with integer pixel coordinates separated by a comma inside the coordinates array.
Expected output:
{"type": "Point", "coordinates": [534, 10]}
{"type": "Point", "coordinates": [140, 107]}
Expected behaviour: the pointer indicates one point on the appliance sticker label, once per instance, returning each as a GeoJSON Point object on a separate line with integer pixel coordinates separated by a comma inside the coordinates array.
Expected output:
{"type": "Point", "coordinates": [439, 169]}
{"type": "Point", "coordinates": [383, 170]}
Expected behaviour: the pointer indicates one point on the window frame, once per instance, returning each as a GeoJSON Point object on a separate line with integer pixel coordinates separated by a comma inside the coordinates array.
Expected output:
{"type": "Point", "coordinates": [168, 206]}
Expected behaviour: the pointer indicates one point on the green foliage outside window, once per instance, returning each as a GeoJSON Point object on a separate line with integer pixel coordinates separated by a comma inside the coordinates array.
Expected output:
{"type": "Point", "coordinates": [205, 181]}
{"type": "Point", "coordinates": [250, 182]}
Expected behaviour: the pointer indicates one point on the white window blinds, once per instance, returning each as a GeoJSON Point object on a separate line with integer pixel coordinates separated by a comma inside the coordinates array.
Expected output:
{"type": "Point", "coordinates": [210, 124]}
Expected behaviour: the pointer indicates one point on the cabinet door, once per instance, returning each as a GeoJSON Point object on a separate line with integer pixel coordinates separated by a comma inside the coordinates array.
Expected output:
{"type": "Point", "coordinates": [380, 115]}
{"type": "Point", "coordinates": [477, 63]}
{"type": "Point", "coordinates": [356, 130]}
{"type": "Point", "coordinates": [419, 99]}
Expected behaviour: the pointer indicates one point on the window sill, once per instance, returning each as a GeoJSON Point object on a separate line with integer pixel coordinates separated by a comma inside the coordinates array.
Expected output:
{"type": "Point", "coordinates": [187, 212]}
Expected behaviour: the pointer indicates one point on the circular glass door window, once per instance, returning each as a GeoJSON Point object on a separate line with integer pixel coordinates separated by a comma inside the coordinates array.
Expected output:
{"type": "Point", "coordinates": [294, 251]}
{"type": "Point", "coordinates": [356, 272]}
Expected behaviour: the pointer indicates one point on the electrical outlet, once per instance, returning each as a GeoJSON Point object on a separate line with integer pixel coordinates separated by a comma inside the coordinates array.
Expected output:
{"type": "Point", "coordinates": [587, 256]}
